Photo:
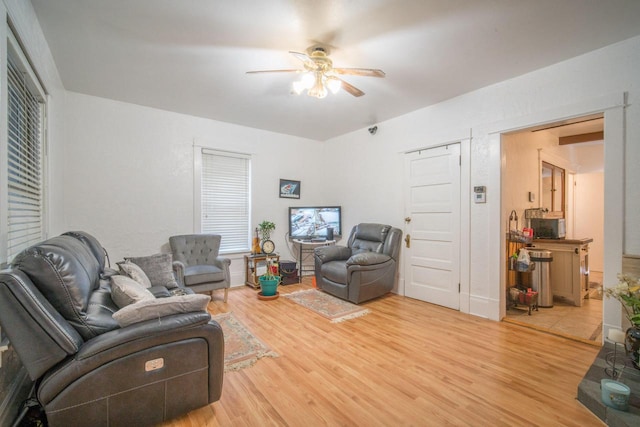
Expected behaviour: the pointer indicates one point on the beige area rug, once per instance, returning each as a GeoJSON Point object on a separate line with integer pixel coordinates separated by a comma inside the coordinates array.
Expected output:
{"type": "Point", "coordinates": [326, 305]}
{"type": "Point", "coordinates": [241, 348]}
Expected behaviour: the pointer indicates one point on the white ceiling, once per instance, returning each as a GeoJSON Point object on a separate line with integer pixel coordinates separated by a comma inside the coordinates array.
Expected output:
{"type": "Point", "coordinates": [190, 56]}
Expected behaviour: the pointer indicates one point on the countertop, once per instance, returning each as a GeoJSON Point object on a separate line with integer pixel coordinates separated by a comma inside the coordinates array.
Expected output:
{"type": "Point", "coordinates": [564, 241]}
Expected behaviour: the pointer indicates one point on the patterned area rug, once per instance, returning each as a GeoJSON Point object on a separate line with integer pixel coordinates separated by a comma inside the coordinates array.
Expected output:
{"type": "Point", "coordinates": [326, 305]}
{"type": "Point", "coordinates": [241, 348]}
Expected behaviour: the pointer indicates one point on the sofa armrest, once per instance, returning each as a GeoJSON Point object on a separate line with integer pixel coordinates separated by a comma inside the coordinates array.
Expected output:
{"type": "Point", "coordinates": [178, 271]}
{"type": "Point", "coordinates": [223, 262]}
{"type": "Point", "coordinates": [368, 258]}
{"type": "Point", "coordinates": [136, 331]}
{"type": "Point", "coordinates": [115, 346]}
{"type": "Point", "coordinates": [332, 253]}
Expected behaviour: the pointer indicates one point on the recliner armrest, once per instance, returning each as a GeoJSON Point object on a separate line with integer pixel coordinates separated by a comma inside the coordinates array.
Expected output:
{"type": "Point", "coordinates": [368, 258]}
{"type": "Point", "coordinates": [178, 270]}
{"type": "Point", "coordinates": [116, 345]}
{"type": "Point", "coordinates": [332, 253]}
{"type": "Point", "coordinates": [222, 261]}
{"type": "Point", "coordinates": [141, 330]}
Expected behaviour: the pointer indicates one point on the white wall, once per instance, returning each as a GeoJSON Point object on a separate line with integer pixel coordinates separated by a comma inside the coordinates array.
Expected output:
{"type": "Point", "coordinates": [560, 91]}
{"type": "Point", "coordinates": [128, 174]}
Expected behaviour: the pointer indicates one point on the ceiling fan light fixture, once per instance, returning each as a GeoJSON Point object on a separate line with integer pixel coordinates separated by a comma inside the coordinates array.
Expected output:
{"type": "Point", "coordinates": [318, 90]}
{"type": "Point", "coordinates": [307, 80]}
{"type": "Point", "coordinates": [297, 87]}
{"type": "Point", "coordinates": [333, 84]}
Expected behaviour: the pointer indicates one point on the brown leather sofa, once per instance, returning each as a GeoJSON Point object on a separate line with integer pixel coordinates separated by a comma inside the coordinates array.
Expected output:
{"type": "Point", "coordinates": [56, 309]}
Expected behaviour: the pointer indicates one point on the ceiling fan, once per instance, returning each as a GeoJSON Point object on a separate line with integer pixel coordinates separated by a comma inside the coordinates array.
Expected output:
{"type": "Point", "coordinates": [319, 76]}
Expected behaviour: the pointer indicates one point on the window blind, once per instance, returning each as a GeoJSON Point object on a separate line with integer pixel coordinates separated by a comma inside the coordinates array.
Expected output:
{"type": "Point", "coordinates": [24, 168]}
{"type": "Point", "coordinates": [225, 198]}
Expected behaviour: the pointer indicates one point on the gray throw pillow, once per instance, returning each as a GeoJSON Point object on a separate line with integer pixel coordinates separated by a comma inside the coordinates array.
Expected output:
{"type": "Point", "coordinates": [158, 268]}
{"type": "Point", "coordinates": [135, 272]}
{"type": "Point", "coordinates": [160, 307]}
{"type": "Point", "coordinates": [126, 291]}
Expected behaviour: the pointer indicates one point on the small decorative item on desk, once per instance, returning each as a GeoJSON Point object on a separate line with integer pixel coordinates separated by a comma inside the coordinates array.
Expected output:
{"type": "Point", "coordinates": [627, 291]}
{"type": "Point", "coordinates": [255, 247]}
{"type": "Point", "coordinates": [265, 228]}
{"type": "Point", "coordinates": [269, 281]}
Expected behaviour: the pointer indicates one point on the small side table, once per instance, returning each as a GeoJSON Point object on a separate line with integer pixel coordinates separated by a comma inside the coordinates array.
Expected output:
{"type": "Point", "coordinates": [251, 263]}
{"type": "Point", "coordinates": [305, 249]}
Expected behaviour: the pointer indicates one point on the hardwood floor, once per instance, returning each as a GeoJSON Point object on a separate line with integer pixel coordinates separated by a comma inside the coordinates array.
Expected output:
{"type": "Point", "coordinates": [405, 363]}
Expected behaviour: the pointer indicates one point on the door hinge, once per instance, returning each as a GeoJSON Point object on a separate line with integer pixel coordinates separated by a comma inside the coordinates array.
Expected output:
{"type": "Point", "coordinates": [458, 287]}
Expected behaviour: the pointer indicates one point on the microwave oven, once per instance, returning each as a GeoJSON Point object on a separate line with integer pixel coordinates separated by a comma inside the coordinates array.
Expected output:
{"type": "Point", "coordinates": [549, 228]}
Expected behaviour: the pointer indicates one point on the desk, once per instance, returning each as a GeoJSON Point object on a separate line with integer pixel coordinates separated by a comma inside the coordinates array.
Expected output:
{"type": "Point", "coordinates": [305, 249]}
{"type": "Point", "coordinates": [251, 263]}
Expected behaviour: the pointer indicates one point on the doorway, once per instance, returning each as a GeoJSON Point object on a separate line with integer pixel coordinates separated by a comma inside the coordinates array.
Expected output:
{"type": "Point", "coordinates": [572, 151]}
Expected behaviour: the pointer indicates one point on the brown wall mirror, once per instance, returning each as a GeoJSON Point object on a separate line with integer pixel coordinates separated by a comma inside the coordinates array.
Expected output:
{"type": "Point", "coordinates": [553, 194]}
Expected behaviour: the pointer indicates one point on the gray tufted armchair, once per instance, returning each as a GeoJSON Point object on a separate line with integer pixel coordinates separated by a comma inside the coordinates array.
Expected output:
{"type": "Point", "coordinates": [197, 264]}
{"type": "Point", "coordinates": [365, 268]}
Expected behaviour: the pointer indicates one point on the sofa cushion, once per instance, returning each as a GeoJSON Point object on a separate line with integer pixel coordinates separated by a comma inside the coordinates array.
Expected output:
{"type": "Point", "coordinates": [158, 269]}
{"type": "Point", "coordinates": [197, 274]}
{"type": "Point", "coordinates": [125, 291]}
{"type": "Point", "coordinates": [157, 308]}
{"type": "Point", "coordinates": [134, 271]}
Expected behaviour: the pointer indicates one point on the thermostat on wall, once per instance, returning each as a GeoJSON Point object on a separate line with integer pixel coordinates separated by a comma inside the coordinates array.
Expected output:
{"type": "Point", "coordinates": [480, 194]}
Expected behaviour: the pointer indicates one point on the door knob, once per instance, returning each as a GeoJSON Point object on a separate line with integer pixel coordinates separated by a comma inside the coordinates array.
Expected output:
{"type": "Point", "coordinates": [407, 219]}
{"type": "Point", "coordinates": [407, 240]}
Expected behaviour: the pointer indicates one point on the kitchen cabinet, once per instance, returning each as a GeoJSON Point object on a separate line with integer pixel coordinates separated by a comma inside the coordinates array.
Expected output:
{"type": "Point", "coordinates": [569, 270]}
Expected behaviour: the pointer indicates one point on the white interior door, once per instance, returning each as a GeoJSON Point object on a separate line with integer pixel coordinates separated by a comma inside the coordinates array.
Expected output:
{"type": "Point", "coordinates": [432, 267]}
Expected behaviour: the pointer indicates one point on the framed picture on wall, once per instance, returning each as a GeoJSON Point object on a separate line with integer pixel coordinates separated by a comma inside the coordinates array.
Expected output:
{"type": "Point", "coordinates": [289, 189]}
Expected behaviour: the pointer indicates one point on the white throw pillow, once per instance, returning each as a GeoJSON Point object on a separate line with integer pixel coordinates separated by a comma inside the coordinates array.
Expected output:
{"type": "Point", "coordinates": [126, 291]}
{"type": "Point", "coordinates": [160, 307]}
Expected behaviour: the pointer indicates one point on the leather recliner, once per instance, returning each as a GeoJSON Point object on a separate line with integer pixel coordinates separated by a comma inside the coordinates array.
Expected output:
{"type": "Point", "coordinates": [364, 269]}
{"type": "Point", "coordinates": [56, 309]}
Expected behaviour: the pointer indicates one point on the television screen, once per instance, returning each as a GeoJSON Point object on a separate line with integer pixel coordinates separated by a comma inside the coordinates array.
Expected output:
{"type": "Point", "coordinates": [312, 222]}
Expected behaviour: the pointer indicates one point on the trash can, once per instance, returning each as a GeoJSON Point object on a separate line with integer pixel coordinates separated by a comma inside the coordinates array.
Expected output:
{"type": "Point", "coordinates": [540, 276]}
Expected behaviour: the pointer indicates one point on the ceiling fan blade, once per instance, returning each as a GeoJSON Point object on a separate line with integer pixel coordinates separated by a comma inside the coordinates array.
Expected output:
{"type": "Point", "coordinates": [275, 71]}
{"type": "Point", "coordinates": [367, 72]}
{"type": "Point", "coordinates": [308, 62]}
{"type": "Point", "coordinates": [351, 89]}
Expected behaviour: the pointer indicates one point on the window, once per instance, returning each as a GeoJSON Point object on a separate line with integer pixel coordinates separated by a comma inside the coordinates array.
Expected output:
{"type": "Point", "coordinates": [225, 198]}
{"type": "Point", "coordinates": [25, 161]}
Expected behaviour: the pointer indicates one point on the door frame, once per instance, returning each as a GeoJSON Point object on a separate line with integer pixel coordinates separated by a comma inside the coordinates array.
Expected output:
{"type": "Point", "coordinates": [613, 108]}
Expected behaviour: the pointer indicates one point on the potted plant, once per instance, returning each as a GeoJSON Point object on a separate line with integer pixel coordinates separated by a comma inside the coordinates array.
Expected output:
{"type": "Point", "coordinates": [270, 279]}
{"type": "Point", "coordinates": [265, 228]}
{"type": "Point", "coordinates": [627, 292]}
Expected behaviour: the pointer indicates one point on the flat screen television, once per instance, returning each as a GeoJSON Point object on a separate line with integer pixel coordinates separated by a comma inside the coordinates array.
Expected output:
{"type": "Point", "coordinates": [312, 222]}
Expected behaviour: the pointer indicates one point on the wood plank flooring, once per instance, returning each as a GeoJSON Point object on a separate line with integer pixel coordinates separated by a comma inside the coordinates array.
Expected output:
{"type": "Point", "coordinates": [405, 363]}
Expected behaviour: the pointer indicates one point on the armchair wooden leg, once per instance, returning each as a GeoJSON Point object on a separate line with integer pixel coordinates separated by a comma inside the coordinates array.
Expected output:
{"type": "Point", "coordinates": [226, 293]}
